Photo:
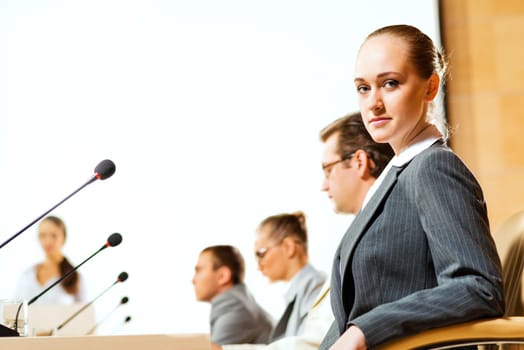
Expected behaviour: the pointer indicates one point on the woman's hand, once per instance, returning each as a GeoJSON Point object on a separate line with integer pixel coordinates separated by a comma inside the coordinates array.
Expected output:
{"type": "Point", "coordinates": [352, 339]}
{"type": "Point", "coordinates": [215, 346]}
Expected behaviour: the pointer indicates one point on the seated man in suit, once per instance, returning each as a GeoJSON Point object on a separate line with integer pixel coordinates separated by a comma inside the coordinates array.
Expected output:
{"type": "Point", "coordinates": [351, 161]}
{"type": "Point", "coordinates": [235, 316]}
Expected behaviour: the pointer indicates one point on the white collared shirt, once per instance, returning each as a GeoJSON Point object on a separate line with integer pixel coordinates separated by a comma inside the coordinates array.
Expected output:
{"type": "Point", "coordinates": [399, 160]}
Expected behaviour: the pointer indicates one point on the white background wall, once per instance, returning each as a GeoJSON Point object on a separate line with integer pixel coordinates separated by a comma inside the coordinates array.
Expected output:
{"type": "Point", "coordinates": [210, 110]}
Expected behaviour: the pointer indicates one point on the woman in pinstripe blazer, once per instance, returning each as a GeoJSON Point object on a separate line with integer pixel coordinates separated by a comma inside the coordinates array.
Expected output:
{"type": "Point", "coordinates": [419, 254]}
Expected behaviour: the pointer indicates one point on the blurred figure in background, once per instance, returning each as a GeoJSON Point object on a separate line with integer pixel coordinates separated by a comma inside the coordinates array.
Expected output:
{"type": "Point", "coordinates": [235, 316]}
{"type": "Point", "coordinates": [52, 234]}
{"type": "Point", "coordinates": [282, 254]}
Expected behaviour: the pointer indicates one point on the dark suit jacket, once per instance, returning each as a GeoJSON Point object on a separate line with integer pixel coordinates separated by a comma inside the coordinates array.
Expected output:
{"type": "Point", "coordinates": [419, 255]}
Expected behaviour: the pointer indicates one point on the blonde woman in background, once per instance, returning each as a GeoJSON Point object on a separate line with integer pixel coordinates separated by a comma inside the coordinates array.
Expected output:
{"type": "Point", "coordinates": [282, 254]}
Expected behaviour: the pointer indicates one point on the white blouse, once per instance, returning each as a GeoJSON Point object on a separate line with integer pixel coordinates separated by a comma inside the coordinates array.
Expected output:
{"type": "Point", "coordinates": [28, 287]}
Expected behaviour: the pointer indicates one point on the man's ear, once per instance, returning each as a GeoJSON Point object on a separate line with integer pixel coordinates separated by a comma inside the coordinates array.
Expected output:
{"type": "Point", "coordinates": [363, 164]}
{"type": "Point", "coordinates": [224, 275]}
{"type": "Point", "coordinates": [433, 86]}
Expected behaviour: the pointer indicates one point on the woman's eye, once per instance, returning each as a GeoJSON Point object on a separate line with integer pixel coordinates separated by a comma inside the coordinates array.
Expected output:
{"type": "Point", "coordinates": [390, 83]}
{"type": "Point", "coordinates": [362, 89]}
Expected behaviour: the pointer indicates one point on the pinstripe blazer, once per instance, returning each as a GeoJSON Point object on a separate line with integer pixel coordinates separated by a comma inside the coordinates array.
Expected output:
{"type": "Point", "coordinates": [418, 256]}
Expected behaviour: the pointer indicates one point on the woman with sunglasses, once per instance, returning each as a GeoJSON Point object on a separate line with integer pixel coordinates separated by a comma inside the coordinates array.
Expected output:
{"type": "Point", "coordinates": [281, 252]}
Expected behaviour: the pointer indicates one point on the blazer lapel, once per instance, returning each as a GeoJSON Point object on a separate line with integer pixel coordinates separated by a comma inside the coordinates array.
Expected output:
{"type": "Point", "coordinates": [280, 329]}
{"type": "Point", "coordinates": [360, 223]}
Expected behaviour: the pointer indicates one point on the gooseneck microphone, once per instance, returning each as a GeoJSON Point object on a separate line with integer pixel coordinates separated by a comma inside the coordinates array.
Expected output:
{"type": "Point", "coordinates": [122, 302]}
{"type": "Point", "coordinates": [122, 277]}
{"type": "Point", "coordinates": [103, 170]}
{"type": "Point", "coordinates": [112, 241]}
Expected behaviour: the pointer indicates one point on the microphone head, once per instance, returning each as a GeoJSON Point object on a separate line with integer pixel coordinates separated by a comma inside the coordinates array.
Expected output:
{"type": "Point", "coordinates": [124, 300]}
{"type": "Point", "coordinates": [122, 277]}
{"type": "Point", "coordinates": [105, 169]}
{"type": "Point", "coordinates": [128, 318]}
{"type": "Point", "coordinates": [114, 240]}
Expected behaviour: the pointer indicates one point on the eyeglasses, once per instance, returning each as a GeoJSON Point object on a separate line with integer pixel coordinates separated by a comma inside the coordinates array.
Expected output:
{"type": "Point", "coordinates": [328, 167]}
{"type": "Point", "coordinates": [261, 253]}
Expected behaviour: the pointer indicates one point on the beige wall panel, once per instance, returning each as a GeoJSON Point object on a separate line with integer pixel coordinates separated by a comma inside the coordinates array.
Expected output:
{"type": "Point", "coordinates": [462, 128]}
{"type": "Point", "coordinates": [487, 129]}
{"type": "Point", "coordinates": [458, 53]}
{"type": "Point", "coordinates": [483, 67]}
{"type": "Point", "coordinates": [503, 197]}
{"type": "Point", "coordinates": [509, 53]}
{"type": "Point", "coordinates": [485, 43]}
{"type": "Point", "coordinates": [511, 120]}
{"type": "Point", "coordinates": [507, 7]}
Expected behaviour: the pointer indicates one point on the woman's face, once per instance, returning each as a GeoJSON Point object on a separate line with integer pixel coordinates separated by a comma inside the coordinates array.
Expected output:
{"type": "Point", "coordinates": [271, 255]}
{"type": "Point", "coordinates": [392, 97]}
{"type": "Point", "coordinates": [51, 237]}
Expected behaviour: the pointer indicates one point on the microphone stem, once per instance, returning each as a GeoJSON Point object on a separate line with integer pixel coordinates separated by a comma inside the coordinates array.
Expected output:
{"type": "Point", "coordinates": [16, 317]}
{"type": "Point", "coordinates": [65, 276]}
{"type": "Point", "coordinates": [84, 307]}
{"type": "Point", "coordinates": [47, 212]}
{"type": "Point", "coordinates": [54, 284]}
{"type": "Point", "coordinates": [102, 320]}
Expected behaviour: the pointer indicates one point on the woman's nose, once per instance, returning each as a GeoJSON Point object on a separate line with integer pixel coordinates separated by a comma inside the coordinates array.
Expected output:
{"type": "Point", "coordinates": [375, 105]}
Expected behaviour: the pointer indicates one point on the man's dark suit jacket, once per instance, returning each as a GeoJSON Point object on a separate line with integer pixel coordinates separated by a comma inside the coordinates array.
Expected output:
{"type": "Point", "coordinates": [419, 255]}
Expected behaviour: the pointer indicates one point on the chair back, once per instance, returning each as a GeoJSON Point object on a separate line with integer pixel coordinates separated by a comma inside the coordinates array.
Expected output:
{"type": "Point", "coordinates": [509, 239]}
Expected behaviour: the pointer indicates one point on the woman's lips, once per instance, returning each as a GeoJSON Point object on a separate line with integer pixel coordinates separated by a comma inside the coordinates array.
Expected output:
{"type": "Point", "coordinates": [379, 121]}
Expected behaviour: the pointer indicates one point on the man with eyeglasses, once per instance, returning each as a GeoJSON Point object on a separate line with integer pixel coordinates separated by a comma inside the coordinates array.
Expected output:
{"type": "Point", "coordinates": [351, 162]}
{"type": "Point", "coordinates": [235, 316]}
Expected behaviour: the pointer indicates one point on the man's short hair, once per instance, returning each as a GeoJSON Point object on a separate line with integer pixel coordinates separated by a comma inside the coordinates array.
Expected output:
{"type": "Point", "coordinates": [352, 136]}
{"type": "Point", "coordinates": [229, 256]}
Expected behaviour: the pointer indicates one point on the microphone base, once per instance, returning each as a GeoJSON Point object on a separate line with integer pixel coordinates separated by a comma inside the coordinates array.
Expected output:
{"type": "Point", "coordinates": [8, 332]}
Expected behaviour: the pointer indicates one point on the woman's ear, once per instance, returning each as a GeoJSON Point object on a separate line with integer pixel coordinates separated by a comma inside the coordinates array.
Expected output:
{"type": "Point", "coordinates": [290, 246]}
{"type": "Point", "coordinates": [433, 86]}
